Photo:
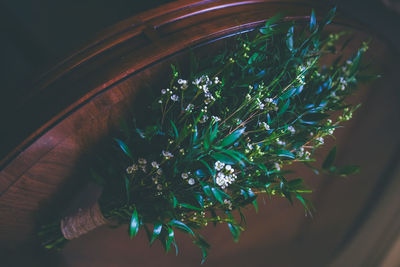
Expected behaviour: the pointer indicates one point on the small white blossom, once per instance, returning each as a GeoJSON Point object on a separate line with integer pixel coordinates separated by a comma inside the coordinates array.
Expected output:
{"type": "Point", "coordinates": [142, 161]}
{"type": "Point", "coordinates": [250, 146]}
{"type": "Point", "coordinates": [163, 91]}
{"type": "Point", "coordinates": [189, 107]}
{"type": "Point", "coordinates": [159, 171]}
{"type": "Point", "coordinates": [160, 101]}
{"type": "Point", "coordinates": [167, 154]}
{"type": "Point", "coordinates": [291, 129]}
{"type": "Point", "coordinates": [155, 164]}
{"type": "Point", "coordinates": [228, 167]}
{"type": "Point", "coordinates": [268, 100]}
{"type": "Point", "coordinates": [228, 203]}
{"type": "Point", "coordinates": [184, 175]}
{"type": "Point", "coordinates": [265, 126]}
{"type": "Point", "coordinates": [191, 181]}
{"type": "Point", "coordinates": [174, 98]}
{"type": "Point", "coordinates": [159, 187]}
{"type": "Point", "coordinates": [320, 140]}
{"type": "Point", "coordinates": [129, 170]}
{"type": "Point", "coordinates": [219, 165]}
{"type": "Point", "coordinates": [277, 167]}
{"type": "Point", "coordinates": [279, 142]}
{"type": "Point", "coordinates": [215, 118]}
{"type": "Point", "coordinates": [203, 119]}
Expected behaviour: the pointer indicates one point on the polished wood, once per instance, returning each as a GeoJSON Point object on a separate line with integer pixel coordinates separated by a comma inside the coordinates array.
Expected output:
{"type": "Point", "coordinates": [79, 102]}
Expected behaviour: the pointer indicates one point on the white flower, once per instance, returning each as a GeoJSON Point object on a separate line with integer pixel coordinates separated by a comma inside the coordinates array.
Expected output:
{"type": "Point", "coordinates": [159, 171]}
{"type": "Point", "coordinates": [215, 118]}
{"type": "Point", "coordinates": [228, 167]}
{"type": "Point", "coordinates": [184, 175]}
{"type": "Point", "coordinates": [320, 140]}
{"type": "Point", "coordinates": [228, 203]}
{"type": "Point", "coordinates": [180, 81]}
{"type": "Point", "coordinates": [250, 146]}
{"type": "Point", "coordinates": [203, 119]}
{"type": "Point", "coordinates": [279, 142]}
{"type": "Point", "coordinates": [291, 129]}
{"type": "Point", "coordinates": [220, 180]}
{"type": "Point", "coordinates": [261, 106]}
{"type": "Point", "coordinates": [129, 170]}
{"type": "Point", "coordinates": [142, 161]}
{"type": "Point", "coordinates": [155, 164]}
{"type": "Point", "coordinates": [160, 101]}
{"type": "Point", "coordinates": [163, 91]}
{"type": "Point", "coordinates": [265, 126]}
{"type": "Point", "coordinates": [219, 165]}
{"type": "Point", "coordinates": [189, 107]}
{"type": "Point", "coordinates": [191, 181]}
{"type": "Point", "coordinates": [216, 80]}
{"type": "Point", "coordinates": [174, 98]}
{"type": "Point", "coordinates": [159, 187]}
{"type": "Point", "coordinates": [277, 167]}
{"type": "Point", "coordinates": [268, 100]}
{"type": "Point", "coordinates": [167, 154]}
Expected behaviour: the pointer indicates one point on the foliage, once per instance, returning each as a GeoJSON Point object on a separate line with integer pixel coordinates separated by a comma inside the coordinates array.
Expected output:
{"type": "Point", "coordinates": [217, 138]}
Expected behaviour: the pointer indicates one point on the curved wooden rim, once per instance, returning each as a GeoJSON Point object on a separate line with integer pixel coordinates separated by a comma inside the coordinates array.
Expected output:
{"type": "Point", "coordinates": [152, 25]}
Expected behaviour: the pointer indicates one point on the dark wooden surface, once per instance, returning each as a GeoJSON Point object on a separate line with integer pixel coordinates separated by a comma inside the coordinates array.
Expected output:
{"type": "Point", "coordinates": [76, 104]}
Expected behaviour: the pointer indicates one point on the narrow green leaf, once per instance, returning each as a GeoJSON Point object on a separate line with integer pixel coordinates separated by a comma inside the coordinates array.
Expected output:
{"type": "Point", "coordinates": [188, 206]}
{"type": "Point", "coordinates": [157, 231]}
{"type": "Point", "coordinates": [235, 231]}
{"type": "Point", "coordinates": [313, 21]}
{"type": "Point", "coordinates": [134, 225]}
{"type": "Point", "coordinates": [223, 158]}
{"type": "Point", "coordinates": [284, 108]}
{"type": "Point", "coordinates": [285, 153]}
{"type": "Point", "coordinates": [289, 38]}
{"type": "Point", "coordinates": [180, 225]}
{"type": "Point", "coordinates": [175, 130]}
{"type": "Point", "coordinates": [330, 158]}
{"type": "Point", "coordinates": [348, 170]}
{"type": "Point", "coordinates": [173, 199]}
{"type": "Point", "coordinates": [170, 239]}
{"type": "Point", "coordinates": [230, 139]}
{"type": "Point", "coordinates": [124, 148]}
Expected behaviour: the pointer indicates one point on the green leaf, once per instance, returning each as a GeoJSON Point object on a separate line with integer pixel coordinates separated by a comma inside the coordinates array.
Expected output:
{"type": "Point", "coordinates": [284, 108]}
{"type": "Point", "coordinates": [170, 239]}
{"type": "Point", "coordinates": [175, 130]}
{"type": "Point", "coordinates": [173, 199]}
{"type": "Point", "coordinates": [289, 38]}
{"type": "Point", "coordinates": [199, 199]}
{"type": "Point", "coordinates": [180, 225]}
{"type": "Point", "coordinates": [134, 225]}
{"type": "Point", "coordinates": [291, 92]}
{"type": "Point", "coordinates": [188, 206]}
{"type": "Point", "coordinates": [124, 148]}
{"type": "Point", "coordinates": [219, 195]}
{"type": "Point", "coordinates": [348, 170]}
{"type": "Point", "coordinates": [313, 21]}
{"type": "Point", "coordinates": [235, 231]}
{"type": "Point", "coordinates": [230, 139]}
{"type": "Point", "coordinates": [313, 118]}
{"type": "Point", "coordinates": [206, 189]}
{"type": "Point", "coordinates": [285, 153]}
{"type": "Point", "coordinates": [157, 231]}
{"type": "Point", "coordinates": [204, 246]}
{"type": "Point", "coordinates": [330, 158]}
{"type": "Point", "coordinates": [223, 158]}
{"type": "Point", "coordinates": [214, 133]}
{"type": "Point", "coordinates": [208, 166]}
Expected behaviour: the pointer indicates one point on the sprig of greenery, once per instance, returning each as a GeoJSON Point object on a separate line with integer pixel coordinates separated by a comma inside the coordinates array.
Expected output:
{"type": "Point", "coordinates": [213, 141]}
